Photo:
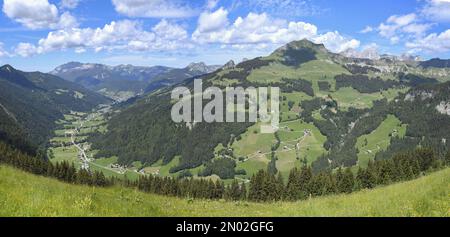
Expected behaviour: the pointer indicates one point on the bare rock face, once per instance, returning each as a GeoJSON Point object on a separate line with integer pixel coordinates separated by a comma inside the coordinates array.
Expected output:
{"type": "Point", "coordinates": [422, 95]}
{"type": "Point", "coordinates": [444, 108]}
{"type": "Point", "coordinates": [229, 65]}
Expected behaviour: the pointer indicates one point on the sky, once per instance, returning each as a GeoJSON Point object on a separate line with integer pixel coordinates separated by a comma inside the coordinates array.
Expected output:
{"type": "Point", "coordinates": [42, 34]}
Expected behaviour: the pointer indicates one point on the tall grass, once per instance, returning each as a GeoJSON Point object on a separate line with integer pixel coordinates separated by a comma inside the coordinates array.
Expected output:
{"type": "Point", "coordinates": [23, 194]}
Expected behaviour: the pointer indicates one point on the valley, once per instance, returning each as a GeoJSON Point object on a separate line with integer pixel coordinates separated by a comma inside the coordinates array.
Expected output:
{"type": "Point", "coordinates": [70, 144]}
{"type": "Point", "coordinates": [330, 117]}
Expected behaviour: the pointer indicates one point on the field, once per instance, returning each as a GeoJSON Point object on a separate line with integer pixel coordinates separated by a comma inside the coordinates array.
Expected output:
{"type": "Point", "coordinates": [256, 147]}
{"type": "Point", "coordinates": [23, 194]}
{"type": "Point", "coordinates": [323, 70]}
{"type": "Point", "coordinates": [64, 150]}
{"type": "Point", "coordinates": [379, 139]}
{"type": "Point", "coordinates": [348, 97]}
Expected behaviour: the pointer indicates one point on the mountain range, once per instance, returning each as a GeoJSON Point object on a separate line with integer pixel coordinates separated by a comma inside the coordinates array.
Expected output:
{"type": "Point", "coordinates": [125, 81]}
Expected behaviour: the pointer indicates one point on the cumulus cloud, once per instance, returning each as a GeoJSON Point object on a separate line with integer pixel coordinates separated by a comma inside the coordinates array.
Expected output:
{"type": "Point", "coordinates": [37, 14]}
{"type": "Point", "coordinates": [437, 10]}
{"type": "Point", "coordinates": [367, 29]}
{"type": "Point", "coordinates": [369, 51]}
{"type": "Point", "coordinates": [260, 31]}
{"type": "Point", "coordinates": [336, 42]}
{"type": "Point", "coordinates": [69, 4]}
{"type": "Point", "coordinates": [395, 23]}
{"type": "Point", "coordinates": [26, 50]}
{"type": "Point", "coordinates": [290, 8]}
{"type": "Point", "coordinates": [3, 52]}
{"type": "Point", "coordinates": [153, 8]}
{"type": "Point", "coordinates": [254, 29]}
{"type": "Point", "coordinates": [211, 21]}
{"type": "Point", "coordinates": [432, 43]}
{"type": "Point", "coordinates": [407, 26]}
{"type": "Point", "coordinates": [125, 34]}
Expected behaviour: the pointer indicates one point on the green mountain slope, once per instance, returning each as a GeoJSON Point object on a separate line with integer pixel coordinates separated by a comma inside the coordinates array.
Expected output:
{"type": "Point", "coordinates": [337, 99]}
{"type": "Point", "coordinates": [31, 103]}
{"type": "Point", "coordinates": [426, 196]}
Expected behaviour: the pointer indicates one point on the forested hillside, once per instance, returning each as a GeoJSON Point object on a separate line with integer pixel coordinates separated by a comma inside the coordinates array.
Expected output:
{"type": "Point", "coordinates": [331, 100]}
{"type": "Point", "coordinates": [31, 103]}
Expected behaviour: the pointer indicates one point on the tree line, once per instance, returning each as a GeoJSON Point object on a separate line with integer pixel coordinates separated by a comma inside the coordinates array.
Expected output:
{"type": "Point", "coordinates": [303, 183]}
{"type": "Point", "coordinates": [264, 186]}
{"type": "Point", "coordinates": [63, 171]}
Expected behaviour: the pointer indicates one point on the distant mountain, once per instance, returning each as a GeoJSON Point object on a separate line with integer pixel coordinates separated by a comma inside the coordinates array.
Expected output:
{"type": "Point", "coordinates": [31, 103]}
{"type": "Point", "coordinates": [229, 65]}
{"type": "Point", "coordinates": [202, 67]}
{"type": "Point", "coordinates": [436, 62]}
{"type": "Point", "coordinates": [177, 75]}
{"type": "Point", "coordinates": [125, 81]}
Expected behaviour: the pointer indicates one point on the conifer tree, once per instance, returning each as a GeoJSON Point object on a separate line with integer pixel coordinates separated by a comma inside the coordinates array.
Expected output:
{"type": "Point", "coordinates": [348, 181]}
{"type": "Point", "coordinates": [293, 185]}
{"type": "Point", "coordinates": [243, 192]}
{"type": "Point", "coordinates": [447, 159]}
{"type": "Point", "coordinates": [304, 182]}
{"type": "Point", "coordinates": [280, 190]}
{"type": "Point", "coordinates": [272, 167]}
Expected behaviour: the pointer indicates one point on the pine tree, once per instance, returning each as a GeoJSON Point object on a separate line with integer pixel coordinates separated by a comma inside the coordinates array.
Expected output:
{"type": "Point", "coordinates": [361, 179]}
{"type": "Point", "coordinates": [371, 175]}
{"type": "Point", "coordinates": [304, 182]}
{"type": "Point", "coordinates": [426, 158]}
{"type": "Point", "coordinates": [243, 192]}
{"type": "Point", "coordinates": [293, 185]}
{"type": "Point", "coordinates": [348, 181]}
{"type": "Point", "coordinates": [280, 190]}
{"type": "Point", "coordinates": [447, 159]}
{"type": "Point", "coordinates": [340, 180]}
{"type": "Point", "coordinates": [272, 167]}
{"type": "Point", "coordinates": [256, 186]}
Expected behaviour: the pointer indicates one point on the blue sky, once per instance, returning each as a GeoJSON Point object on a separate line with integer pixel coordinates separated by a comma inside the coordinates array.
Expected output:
{"type": "Point", "coordinates": [42, 34]}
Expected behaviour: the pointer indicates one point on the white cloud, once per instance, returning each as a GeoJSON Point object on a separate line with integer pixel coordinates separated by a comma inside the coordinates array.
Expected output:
{"type": "Point", "coordinates": [261, 31]}
{"type": "Point", "coordinates": [211, 4]}
{"type": "Point", "coordinates": [395, 23]}
{"type": "Point", "coordinates": [37, 14]}
{"type": "Point", "coordinates": [402, 20]}
{"type": "Point", "coordinates": [25, 50]}
{"type": "Point", "coordinates": [125, 35]}
{"type": "Point", "coordinates": [153, 8]}
{"type": "Point", "coordinates": [166, 36]}
{"type": "Point", "coordinates": [285, 8]}
{"type": "Point", "coordinates": [66, 21]}
{"type": "Point", "coordinates": [437, 10]}
{"type": "Point", "coordinates": [211, 21]}
{"type": "Point", "coordinates": [69, 4]}
{"type": "Point", "coordinates": [394, 39]}
{"type": "Point", "coordinates": [369, 51]}
{"type": "Point", "coordinates": [336, 42]}
{"type": "Point", "coordinates": [403, 27]}
{"type": "Point", "coordinates": [255, 29]}
{"type": "Point", "coordinates": [3, 52]}
{"type": "Point", "coordinates": [432, 43]}
{"type": "Point", "coordinates": [366, 30]}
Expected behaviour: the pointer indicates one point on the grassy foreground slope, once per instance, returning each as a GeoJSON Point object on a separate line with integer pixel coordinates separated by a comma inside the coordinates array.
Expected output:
{"type": "Point", "coordinates": [23, 194]}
